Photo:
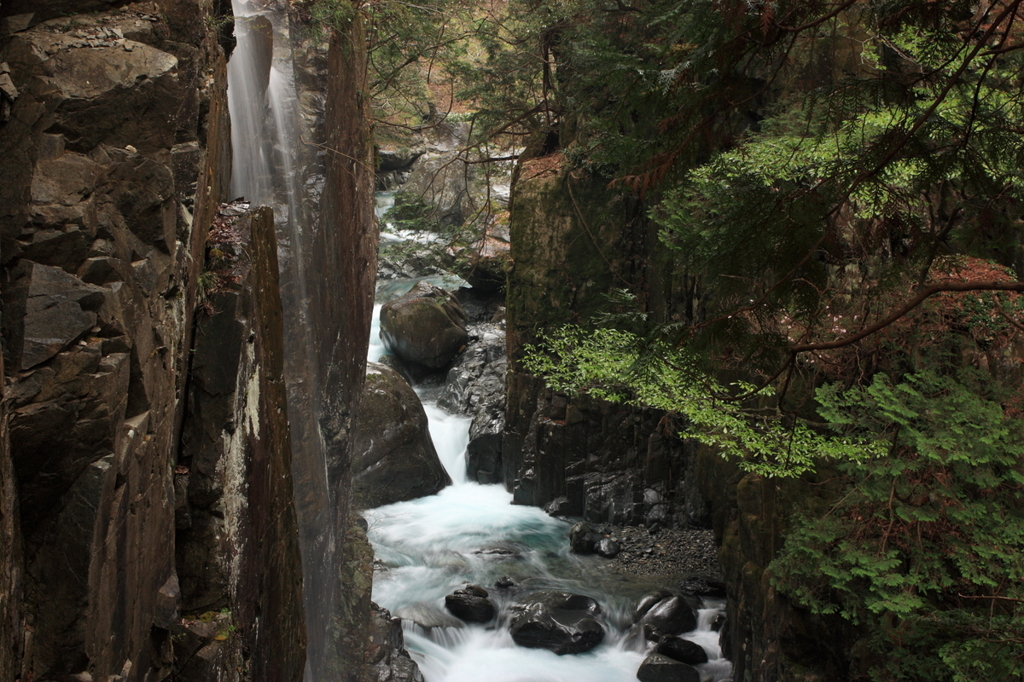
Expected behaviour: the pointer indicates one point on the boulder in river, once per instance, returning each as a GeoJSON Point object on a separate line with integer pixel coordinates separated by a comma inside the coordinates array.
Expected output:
{"type": "Point", "coordinates": [682, 650]}
{"type": "Point", "coordinates": [607, 548]}
{"type": "Point", "coordinates": [659, 668]}
{"type": "Point", "coordinates": [671, 616]}
{"type": "Point", "coordinates": [470, 603]}
{"type": "Point", "coordinates": [394, 458]}
{"type": "Point", "coordinates": [646, 602]}
{"type": "Point", "coordinates": [427, 326]}
{"type": "Point", "coordinates": [582, 538]}
{"type": "Point", "coordinates": [561, 622]}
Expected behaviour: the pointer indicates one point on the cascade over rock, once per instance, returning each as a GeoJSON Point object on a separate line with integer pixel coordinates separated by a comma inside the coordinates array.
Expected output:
{"type": "Point", "coordinates": [475, 386]}
{"type": "Point", "coordinates": [394, 458]}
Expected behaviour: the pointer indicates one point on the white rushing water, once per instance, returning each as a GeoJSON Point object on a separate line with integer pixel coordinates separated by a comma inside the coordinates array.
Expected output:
{"type": "Point", "coordinates": [472, 533]}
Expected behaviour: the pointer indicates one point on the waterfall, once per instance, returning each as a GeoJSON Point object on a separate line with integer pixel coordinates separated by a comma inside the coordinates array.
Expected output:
{"type": "Point", "coordinates": [266, 160]}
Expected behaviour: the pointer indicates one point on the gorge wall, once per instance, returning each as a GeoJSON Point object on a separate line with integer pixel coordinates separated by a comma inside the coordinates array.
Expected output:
{"type": "Point", "coordinates": [573, 242]}
{"type": "Point", "coordinates": [114, 154]}
{"type": "Point", "coordinates": [147, 526]}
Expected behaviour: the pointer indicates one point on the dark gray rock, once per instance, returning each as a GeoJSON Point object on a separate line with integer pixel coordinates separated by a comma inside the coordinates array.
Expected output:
{"type": "Point", "coordinates": [470, 603]}
{"type": "Point", "coordinates": [670, 616]}
{"type": "Point", "coordinates": [560, 506]}
{"type": "Point", "coordinates": [646, 602]}
{"type": "Point", "coordinates": [703, 587]}
{"type": "Point", "coordinates": [561, 622]}
{"type": "Point", "coordinates": [426, 326]}
{"type": "Point", "coordinates": [387, 658]}
{"type": "Point", "coordinates": [682, 650]}
{"type": "Point", "coordinates": [476, 386]}
{"type": "Point", "coordinates": [659, 668]}
{"type": "Point", "coordinates": [394, 457]}
{"type": "Point", "coordinates": [45, 310]}
{"type": "Point", "coordinates": [582, 538]}
{"type": "Point", "coordinates": [607, 548]}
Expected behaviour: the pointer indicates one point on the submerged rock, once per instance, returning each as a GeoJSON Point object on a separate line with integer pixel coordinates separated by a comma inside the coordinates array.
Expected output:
{"type": "Point", "coordinates": [427, 616]}
{"type": "Point", "coordinates": [470, 603]}
{"type": "Point", "coordinates": [395, 459]}
{"type": "Point", "coordinates": [561, 622]}
{"type": "Point", "coordinates": [426, 326]}
{"type": "Point", "coordinates": [659, 668]}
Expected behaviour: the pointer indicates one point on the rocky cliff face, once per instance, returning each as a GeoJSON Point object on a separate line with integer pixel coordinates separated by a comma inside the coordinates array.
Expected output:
{"type": "Point", "coordinates": [237, 535]}
{"type": "Point", "coordinates": [573, 242]}
{"type": "Point", "coordinates": [114, 135]}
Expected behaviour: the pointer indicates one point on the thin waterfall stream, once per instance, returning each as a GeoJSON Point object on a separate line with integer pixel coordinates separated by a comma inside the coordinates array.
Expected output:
{"type": "Point", "coordinates": [472, 533]}
{"type": "Point", "coordinates": [266, 129]}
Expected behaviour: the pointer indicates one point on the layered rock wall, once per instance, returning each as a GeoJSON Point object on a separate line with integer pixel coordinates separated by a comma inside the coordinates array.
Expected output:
{"type": "Point", "coordinates": [237, 535]}
{"type": "Point", "coordinates": [573, 243]}
{"type": "Point", "coordinates": [114, 133]}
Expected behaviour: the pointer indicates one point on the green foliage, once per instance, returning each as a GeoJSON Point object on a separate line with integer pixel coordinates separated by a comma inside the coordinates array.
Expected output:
{"type": "Point", "coordinates": [327, 16]}
{"type": "Point", "coordinates": [611, 364]}
{"type": "Point", "coordinates": [926, 549]}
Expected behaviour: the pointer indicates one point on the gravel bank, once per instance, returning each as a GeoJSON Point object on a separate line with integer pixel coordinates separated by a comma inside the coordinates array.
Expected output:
{"type": "Point", "coordinates": [667, 552]}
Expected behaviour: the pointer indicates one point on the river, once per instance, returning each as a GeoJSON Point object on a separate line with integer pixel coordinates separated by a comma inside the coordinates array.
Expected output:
{"type": "Point", "coordinates": [472, 533]}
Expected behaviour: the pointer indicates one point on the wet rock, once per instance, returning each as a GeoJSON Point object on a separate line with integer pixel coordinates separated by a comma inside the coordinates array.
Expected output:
{"type": "Point", "coordinates": [646, 602]}
{"type": "Point", "coordinates": [561, 622]}
{"type": "Point", "coordinates": [387, 659]}
{"type": "Point", "coordinates": [607, 548]}
{"type": "Point", "coordinates": [475, 385]}
{"type": "Point", "coordinates": [659, 668]}
{"type": "Point", "coordinates": [470, 603]}
{"type": "Point", "coordinates": [394, 457]}
{"type": "Point", "coordinates": [504, 582]}
{"type": "Point", "coordinates": [426, 326]}
{"type": "Point", "coordinates": [682, 650]}
{"type": "Point", "coordinates": [670, 616]}
{"type": "Point", "coordinates": [703, 587]}
{"type": "Point", "coordinates": [427, 616]}
{"type": "Point", "coordinates": [582, 538]}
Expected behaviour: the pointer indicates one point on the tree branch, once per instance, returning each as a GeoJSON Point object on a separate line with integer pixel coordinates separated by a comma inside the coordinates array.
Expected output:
{"type": "Point", "coordinates": [921, 297]}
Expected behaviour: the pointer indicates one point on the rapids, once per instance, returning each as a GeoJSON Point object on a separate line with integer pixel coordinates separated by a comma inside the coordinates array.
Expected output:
{"type": "Point", "coordinates": [472, 533]}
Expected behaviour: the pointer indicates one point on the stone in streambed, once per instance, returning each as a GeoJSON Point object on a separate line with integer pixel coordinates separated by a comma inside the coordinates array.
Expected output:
{"type": "Point", "coordinates": [682, 650]}
{"type": "Point", "coordinates": [395, 458]}
{"type": "Point", "coordinates": [607, 548]}
{"type": "Point", "coordinates": [659, 668]}
{"type": "Point", "coordinates": [646, 602]}
{"type": "Point", "coordinates": [582, 538]}
{"type": "Point", "coordinates": [427, 326]}
{"type": "Point", "coordinates": [670, 616]}
{"type": "Point", "coordinates": [561, 622]}
{"type": "Point", "coordinates": [470, 603]}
